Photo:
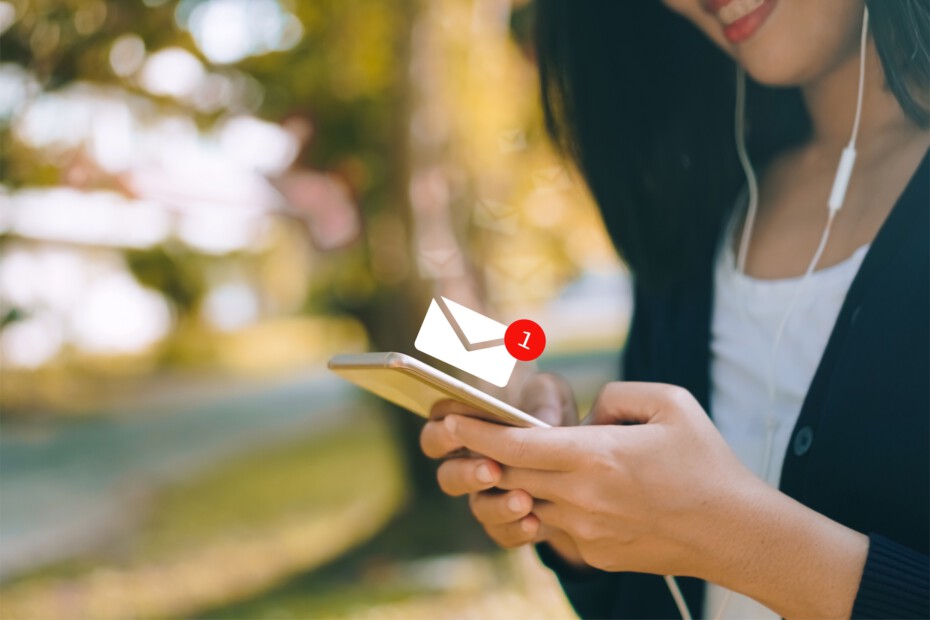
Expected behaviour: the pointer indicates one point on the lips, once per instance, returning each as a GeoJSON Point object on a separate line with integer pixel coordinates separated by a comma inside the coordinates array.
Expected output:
{"type": "Point", "coordinates": [740, 18]}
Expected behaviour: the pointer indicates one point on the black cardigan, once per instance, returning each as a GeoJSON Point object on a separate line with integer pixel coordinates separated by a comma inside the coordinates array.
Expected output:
{"type": "Point", "coordinates": [860, 451]}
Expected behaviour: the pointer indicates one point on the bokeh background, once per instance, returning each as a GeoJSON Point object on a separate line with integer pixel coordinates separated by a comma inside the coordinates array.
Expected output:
{"type": "Point", "coordinates": [201, 202]}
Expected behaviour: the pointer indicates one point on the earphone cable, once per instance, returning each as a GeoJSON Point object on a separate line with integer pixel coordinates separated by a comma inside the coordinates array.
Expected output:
{"type": "Point", "coordinates": [751, 180]}
{"type": "Point", "coordinates": [835, 202]}
{"type": "Point", "coordinates": [863, 42]}
{"type": "Point", "coordinates": [679, 599]}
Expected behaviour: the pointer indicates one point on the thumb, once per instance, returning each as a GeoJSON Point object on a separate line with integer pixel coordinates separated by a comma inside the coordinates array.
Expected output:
{"type": "Point", "coordinates": [549, 398]}
{"type": "Point", "coordinates": [629, 402]}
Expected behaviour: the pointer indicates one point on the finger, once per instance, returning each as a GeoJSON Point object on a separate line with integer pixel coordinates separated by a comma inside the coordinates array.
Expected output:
{"type": "Point", "coordinates": [554, 515]}
{"type": "Point", "coordinates": [540, 484]}
{"type": "Point", "coordinates": [629, 402]}
{"type": "Point", "coordinates": [516, 534]}
{"type": "Point", "coordinates": [570, 415]}
{"type": "Point", "coordinates": [541, 399]}
{"type": "Point", "coordinates": [499, 508]}
{"type": "Point", "coordinates": [464, 476]}
{"type": "Point", "coordinates": [549, 398]}
{"type": "Point", "coordinates": [436, 440]}
{"type": "Point", "coordinates": [535, 448]}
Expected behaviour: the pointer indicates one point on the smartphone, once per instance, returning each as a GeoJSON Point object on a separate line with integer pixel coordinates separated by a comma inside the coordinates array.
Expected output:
{"type": "Point", "coordinates": [416, 386]}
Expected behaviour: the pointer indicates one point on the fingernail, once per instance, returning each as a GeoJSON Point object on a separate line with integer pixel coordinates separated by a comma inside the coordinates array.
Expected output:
{"type": "Point", "coordinates": [528, 526]}
{"type": "Point", "coordinates": [515, 503]}
{"type": "Point", "coordinates": [449, 421]}
{"type": "Point", "coordinates": [483, 474]}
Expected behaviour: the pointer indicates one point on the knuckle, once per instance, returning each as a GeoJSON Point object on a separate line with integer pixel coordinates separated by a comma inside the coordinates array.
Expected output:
{"type": "Point", "coordinates": [585, 495]}
{"type": "Point", "coordinates": [602, 393]}
{"type": "Point", "coordinates": [679, 396]}
{"type": "Point", "coordinates": [586, 532]}
{"type": "Point", "coordinates": [607, 392]}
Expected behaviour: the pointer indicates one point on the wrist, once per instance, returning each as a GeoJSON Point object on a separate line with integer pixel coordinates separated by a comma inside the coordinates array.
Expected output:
{"type": "Point", "coordinates": [719, 544]}
{"type": "Point", "coordinates": [783, 554]}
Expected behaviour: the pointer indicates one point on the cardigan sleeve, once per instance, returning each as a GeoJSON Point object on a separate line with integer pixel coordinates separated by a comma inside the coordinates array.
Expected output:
{"type": "Point", "coordinates": [895, 582]}
{"type": "Point", "coordinates": [590, 591]}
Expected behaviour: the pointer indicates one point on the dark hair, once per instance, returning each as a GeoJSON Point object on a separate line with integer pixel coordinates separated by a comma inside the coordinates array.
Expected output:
{"type": "Point", "coordinates": [643, 103]}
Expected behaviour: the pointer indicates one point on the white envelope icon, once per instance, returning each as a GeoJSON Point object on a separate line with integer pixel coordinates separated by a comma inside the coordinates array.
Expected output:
{"type": "Point", "coordinates": [467, 340]}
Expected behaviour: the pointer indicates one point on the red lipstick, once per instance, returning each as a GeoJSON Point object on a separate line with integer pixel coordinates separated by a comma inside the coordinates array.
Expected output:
{"type": "Point", "coordinates": [740, 18]}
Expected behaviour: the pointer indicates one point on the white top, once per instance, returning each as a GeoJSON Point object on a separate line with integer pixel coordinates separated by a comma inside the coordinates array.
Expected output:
{"type": "Point", "coordinates": [747, 314]}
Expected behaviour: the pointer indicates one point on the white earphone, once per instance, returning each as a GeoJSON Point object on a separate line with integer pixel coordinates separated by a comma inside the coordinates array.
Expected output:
{"type": "Point", "coordinates": [844, 172]}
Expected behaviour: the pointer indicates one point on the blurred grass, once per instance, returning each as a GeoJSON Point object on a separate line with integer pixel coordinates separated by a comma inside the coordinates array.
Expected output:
{"type": "Point", "coordinates": [494, 584]}
{"type": "Point", "coordinates": [308, 478]}
{"type": "Point", "coordinates": [231, 532]}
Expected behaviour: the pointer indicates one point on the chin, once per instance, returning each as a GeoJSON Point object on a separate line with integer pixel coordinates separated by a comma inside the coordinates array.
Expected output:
{"type": "Point", "coordinates": [769, 73]}
{"type": "Point", "coordinates": [770, 61]}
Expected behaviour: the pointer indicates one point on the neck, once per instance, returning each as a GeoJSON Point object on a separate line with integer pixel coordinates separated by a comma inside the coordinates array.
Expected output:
{"type": "Point", "coordinates": [831, 103]}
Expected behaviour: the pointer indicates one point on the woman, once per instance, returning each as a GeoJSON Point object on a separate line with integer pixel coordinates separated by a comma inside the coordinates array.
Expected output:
{"type": "Point", "coordinates": [771, 443]}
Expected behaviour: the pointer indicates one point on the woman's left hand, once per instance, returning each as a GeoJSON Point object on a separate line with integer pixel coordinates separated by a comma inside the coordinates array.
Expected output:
{"type": "Point", "coordinates": [647, 493]}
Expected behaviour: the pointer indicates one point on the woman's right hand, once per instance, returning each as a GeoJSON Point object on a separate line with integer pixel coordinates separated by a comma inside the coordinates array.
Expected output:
{"type": "Point", "coordinates": [507, 517]}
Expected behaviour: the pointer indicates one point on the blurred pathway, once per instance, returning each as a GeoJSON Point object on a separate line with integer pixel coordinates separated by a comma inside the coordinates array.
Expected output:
{"type": "Point", "coordinates": [67, 486]}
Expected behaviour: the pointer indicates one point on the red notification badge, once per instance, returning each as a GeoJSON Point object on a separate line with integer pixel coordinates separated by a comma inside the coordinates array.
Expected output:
{"type": "Point", "coordinates": [525, 340]}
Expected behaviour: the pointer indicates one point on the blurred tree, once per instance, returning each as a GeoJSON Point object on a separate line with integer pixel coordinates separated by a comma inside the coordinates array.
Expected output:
{"type": "Point", "coordinates": [347, 79]}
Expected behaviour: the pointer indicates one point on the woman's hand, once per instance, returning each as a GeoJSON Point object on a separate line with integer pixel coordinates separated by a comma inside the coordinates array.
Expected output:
{"type": "Point", "coordinates": [657, 490]}
{"type": "Point", "coordinates": [640, 497]}
{"type": "Point", "coordinates": [506, 516]}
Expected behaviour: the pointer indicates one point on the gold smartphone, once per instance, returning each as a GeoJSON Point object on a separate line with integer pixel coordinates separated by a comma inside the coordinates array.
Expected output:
{"type": "Point", "coordinates": [415, 386]}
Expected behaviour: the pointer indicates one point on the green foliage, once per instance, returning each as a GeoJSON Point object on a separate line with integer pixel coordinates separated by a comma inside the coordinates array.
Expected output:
{"type": "Point", "coordinates": [171, 270]}
{"type": "Point", "coordinates": [345, 76]}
